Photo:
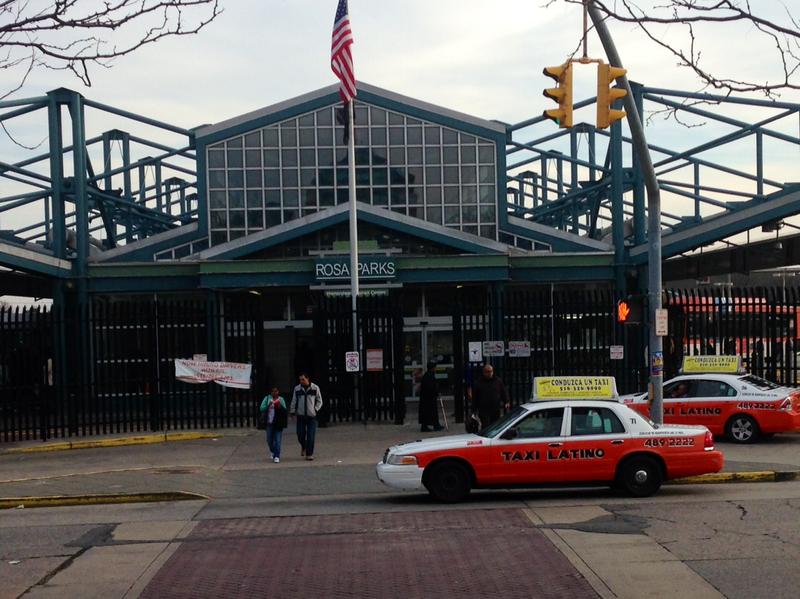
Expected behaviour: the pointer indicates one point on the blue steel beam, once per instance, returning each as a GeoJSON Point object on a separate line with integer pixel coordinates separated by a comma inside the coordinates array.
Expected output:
{"type": "Point", "coordinates": [777, 206]}
{"type": "Point", "coordinates": [752, 127]}
{"type": "Point", "coordinates": [4, 166]}
{"type": "Point", "coordinates": [24, 102]}
{"type": "Point", "coordinates": [714, 98]}
{"type": "Point", "coordinates": [137, 117]}
{"type": "Point", "coordinates": [20, 111]}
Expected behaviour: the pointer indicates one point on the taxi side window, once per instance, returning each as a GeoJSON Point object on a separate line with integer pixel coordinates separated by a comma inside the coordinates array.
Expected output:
{"type": "Point", "coordinates": [595, 421]}
{"type": "Point", "coordinates": [708, 388]}
{"type": "Point", "coordinates": [541, 423]}
{"type": "Point", "coordinates": [679, 389]}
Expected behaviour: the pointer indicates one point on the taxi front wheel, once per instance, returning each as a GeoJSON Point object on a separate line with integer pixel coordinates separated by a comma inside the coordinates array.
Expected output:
{"type": "Point", "coordinates": [448, 482]}
{"type": "Point", "coordinates": [640, 476]}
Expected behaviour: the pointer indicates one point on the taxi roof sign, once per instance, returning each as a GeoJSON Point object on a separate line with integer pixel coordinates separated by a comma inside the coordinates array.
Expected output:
{"type": "Point", "coordinates": [712, 364]}
{"type": "Point", "coordinates": [574, 387]}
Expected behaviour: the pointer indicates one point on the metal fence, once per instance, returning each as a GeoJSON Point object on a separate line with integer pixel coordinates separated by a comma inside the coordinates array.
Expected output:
{"type": "Point", "coordinates": [109, 367]}
{"type": "Point", "coordinates": [759, 324]}
{"type": "Point", "coordinates": [115, 372]}
{"type": "Point", "coordinates": [570, 332]}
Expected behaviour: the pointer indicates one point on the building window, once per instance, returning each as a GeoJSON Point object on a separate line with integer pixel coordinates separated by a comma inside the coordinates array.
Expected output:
{"type": "Point", "coordinates": [294, 168]}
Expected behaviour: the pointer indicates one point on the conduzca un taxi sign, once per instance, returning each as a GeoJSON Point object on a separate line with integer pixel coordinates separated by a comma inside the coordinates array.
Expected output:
{"type": "Point", "coordinates": [709, 364]}
{"type": "Point", "coordinates": [574, 387]}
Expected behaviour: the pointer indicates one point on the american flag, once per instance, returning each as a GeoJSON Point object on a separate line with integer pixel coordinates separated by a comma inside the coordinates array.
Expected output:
{"type": "Point", "coordinates": [341, 57]}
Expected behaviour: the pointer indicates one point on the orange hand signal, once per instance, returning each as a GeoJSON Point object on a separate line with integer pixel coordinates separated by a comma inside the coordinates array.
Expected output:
{"type": "Point", "coordinates": [623, 310]}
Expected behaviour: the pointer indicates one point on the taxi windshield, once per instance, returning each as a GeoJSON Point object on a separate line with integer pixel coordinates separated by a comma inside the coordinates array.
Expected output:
{"type": "Point", "coordinates": [494, 428]}
{"type": "Point", "coordinates": [758, 382]}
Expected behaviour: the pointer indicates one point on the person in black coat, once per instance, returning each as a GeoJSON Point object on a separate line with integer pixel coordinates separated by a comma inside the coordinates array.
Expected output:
{"type": "Point", "coordinates": [489, 396]}
{"type": "Point", "coordinates": [428, 396]}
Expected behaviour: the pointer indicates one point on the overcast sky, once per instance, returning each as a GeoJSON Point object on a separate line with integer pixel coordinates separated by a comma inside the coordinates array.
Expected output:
{"type": "Point", "coordinates": [475, 56]}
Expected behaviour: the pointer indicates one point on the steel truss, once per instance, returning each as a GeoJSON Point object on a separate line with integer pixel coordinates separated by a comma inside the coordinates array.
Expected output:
{"type": "Point", "coordinates": [587, 181]}
{"type": "Point", "coordinates": [96, 193]}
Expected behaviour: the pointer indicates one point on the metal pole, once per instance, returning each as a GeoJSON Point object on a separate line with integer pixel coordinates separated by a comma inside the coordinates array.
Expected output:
{"type": "Point", "coordinates": [653, 218]}
{"type": "Point", "coordinates": [351, 162]}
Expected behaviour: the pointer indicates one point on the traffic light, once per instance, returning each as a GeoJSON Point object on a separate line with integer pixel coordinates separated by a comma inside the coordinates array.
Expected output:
{"type": "Point", "coordinates": [631, 310]}
{"type": "Point", "coordinates": [562, 94]}
{"type": "Point", "coordinates": [607, 95]}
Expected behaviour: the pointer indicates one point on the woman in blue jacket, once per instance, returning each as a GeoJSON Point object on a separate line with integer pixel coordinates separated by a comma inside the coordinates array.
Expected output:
{"type": "Point", "coordinates": [275, 408]}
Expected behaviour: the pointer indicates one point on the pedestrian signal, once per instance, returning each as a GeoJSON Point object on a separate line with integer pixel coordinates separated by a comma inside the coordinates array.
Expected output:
{"type": "Point", "coordinates": [631, 310]}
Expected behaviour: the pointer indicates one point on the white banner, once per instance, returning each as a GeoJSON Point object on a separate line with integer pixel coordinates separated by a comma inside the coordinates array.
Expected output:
{"type": "Point", "coordinates": [227, 374]}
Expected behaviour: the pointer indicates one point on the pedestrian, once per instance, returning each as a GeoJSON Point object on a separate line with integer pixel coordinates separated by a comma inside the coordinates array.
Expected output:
{"type": "Point", "coordinates": [489, 395]}
{"type": "Point", "coordinates": [306, 403]}
{"type": "Point", "coordinates": [274, 407]}
{"type": "Point", "coordinates": [428, 396]}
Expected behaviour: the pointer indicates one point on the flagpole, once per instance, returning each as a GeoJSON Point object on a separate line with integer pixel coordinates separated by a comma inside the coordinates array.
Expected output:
{"type": "Point", "coordinates": [351, 163]}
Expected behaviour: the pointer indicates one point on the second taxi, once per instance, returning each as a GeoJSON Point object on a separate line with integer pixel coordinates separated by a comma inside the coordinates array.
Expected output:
{"type": "Point", "coordinates": [584, 439]}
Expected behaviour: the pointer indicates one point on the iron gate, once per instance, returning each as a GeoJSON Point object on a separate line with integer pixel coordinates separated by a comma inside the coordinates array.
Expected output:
{"type": "Point", "coordinates": [380, 377]}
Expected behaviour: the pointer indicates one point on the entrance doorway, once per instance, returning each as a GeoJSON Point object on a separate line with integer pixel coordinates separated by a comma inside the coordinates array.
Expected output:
{"type": "Point", "coordinates": [424, 340]}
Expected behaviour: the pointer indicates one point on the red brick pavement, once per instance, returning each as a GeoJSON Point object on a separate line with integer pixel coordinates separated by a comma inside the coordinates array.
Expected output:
{"type": "Point", "coordinates": [464, 553]}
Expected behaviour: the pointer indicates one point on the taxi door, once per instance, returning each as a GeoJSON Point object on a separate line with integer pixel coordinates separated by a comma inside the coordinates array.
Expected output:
{"type": "Point", "coordinates": [519, 454]}
{"type": "Point", "coordinates": [710, 403]}
{"type": "Point", "coordinates": [675, 396]}
{"type": "Point", "coordinates": [596, 442]}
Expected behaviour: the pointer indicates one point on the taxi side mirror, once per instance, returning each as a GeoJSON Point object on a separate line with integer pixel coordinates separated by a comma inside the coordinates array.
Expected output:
{"type": "Point", "coordinates": [509, 434]}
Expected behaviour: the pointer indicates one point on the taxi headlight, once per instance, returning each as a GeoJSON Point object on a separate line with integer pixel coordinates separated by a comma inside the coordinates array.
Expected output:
{"type": "Point", "coordinates": [402, 460]}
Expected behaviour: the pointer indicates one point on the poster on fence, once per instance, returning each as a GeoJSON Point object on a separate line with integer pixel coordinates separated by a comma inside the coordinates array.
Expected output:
{"type": "Point", "coordinates": [227, 374]}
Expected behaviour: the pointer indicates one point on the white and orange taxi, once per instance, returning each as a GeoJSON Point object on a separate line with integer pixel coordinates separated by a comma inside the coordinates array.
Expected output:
{"type": "Point", "coordinates": [714, 391]}
{"type": "Point", "coordinates": [574, 432]}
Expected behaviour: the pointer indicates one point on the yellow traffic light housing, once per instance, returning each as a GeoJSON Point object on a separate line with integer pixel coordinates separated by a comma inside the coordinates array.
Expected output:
{"type": "Point", "coordinates": [562, 94]}
{"type": "Point", "coordinates": [607, 95]}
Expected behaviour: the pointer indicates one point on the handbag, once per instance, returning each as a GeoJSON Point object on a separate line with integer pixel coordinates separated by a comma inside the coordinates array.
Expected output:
{"type": "Point", "coordinates": [261, 423]}
{"type": "Point", "coordinates": [473, 424]}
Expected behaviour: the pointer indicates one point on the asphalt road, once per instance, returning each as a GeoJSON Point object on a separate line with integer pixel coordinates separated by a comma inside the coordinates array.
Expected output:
{"type": "Point", "coordinates": [731, 540]}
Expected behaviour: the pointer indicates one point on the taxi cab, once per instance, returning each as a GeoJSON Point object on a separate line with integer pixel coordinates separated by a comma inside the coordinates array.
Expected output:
{"type": "Point", "coordinates": [574, 432]}
{"type": "Point", "coordinates": [716, 392]}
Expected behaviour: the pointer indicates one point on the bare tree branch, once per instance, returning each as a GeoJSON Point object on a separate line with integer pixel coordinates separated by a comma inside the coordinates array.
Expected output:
{"type": "Point", "coordinates": [777, 27]}
{"type": "Point", "coordinates": [72, 35]}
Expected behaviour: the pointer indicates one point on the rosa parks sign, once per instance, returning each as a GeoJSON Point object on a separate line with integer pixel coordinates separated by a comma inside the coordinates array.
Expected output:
{"type": "Point", "coordinates": [369, 268]}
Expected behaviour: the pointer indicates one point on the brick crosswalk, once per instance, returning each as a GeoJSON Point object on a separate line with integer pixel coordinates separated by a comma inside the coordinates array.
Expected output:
{"type": "Point", "coordinates": [463, 553]}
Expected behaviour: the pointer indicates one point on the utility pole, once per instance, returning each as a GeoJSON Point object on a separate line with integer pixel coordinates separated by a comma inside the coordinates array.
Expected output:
{"type": "Point", "coordinates": [656, 362]}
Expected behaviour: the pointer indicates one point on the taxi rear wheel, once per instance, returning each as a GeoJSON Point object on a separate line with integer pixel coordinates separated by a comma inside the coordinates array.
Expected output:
{"type": "Point", "coordinates": [640, 476]}
{"type": "Point", "coordinates": [742, 428]}
{"type": "Point", "coordinates": [448, 482]}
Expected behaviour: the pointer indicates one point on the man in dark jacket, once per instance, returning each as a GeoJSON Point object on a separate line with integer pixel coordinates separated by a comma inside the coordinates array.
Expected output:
{"type": "Point", "coordinates": [428, 395]}
{"type": "Point", "coordinates": [489, 395]}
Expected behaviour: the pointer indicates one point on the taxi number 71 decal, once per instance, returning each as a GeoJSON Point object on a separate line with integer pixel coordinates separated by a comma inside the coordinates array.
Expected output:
{"type": "Point", "coordinates": [680, 442]}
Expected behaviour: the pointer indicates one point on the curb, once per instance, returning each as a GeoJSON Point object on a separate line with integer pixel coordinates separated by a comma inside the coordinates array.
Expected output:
{"type": "Point", "coordinates": [7, 503]}
{"type": "Point", "coordinates": [764, 476]}
{"type": "Point", "coordinates": [117, 442]}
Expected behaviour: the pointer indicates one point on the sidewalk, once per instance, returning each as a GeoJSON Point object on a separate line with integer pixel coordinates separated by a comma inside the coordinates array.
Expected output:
{"type": "Point", "coordinates": [234, 463]}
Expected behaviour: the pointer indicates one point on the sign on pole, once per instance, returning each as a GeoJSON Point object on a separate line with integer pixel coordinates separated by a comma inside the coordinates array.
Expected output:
{"type": "Point", "coordinates": [351, 361]}
{"type": "Point", "coordinates": [519, 349]}
{"type": "Point", "coordinates": [475, 351]}
{"type": "Point", "coordinates": [494, 348]}
{"type": "Point", "coordinates": [616, 352]}
{"type": "Point", "coordinates": [661, 322]}
{"type": "Point", "coordinates": [374, 360]}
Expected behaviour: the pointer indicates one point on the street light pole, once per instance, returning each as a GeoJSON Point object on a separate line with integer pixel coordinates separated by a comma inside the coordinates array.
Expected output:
{"type": "Point", "coordinates": [656, 365]}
